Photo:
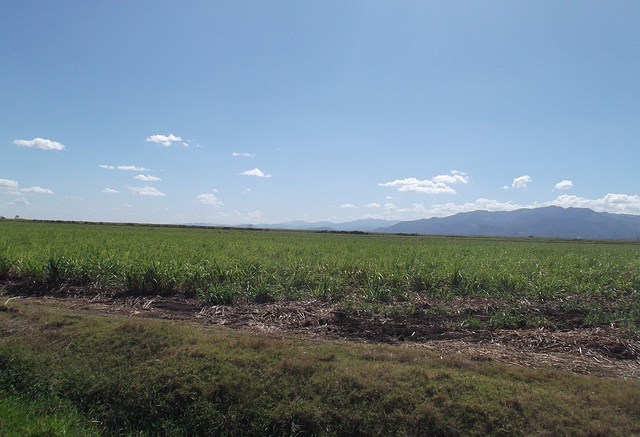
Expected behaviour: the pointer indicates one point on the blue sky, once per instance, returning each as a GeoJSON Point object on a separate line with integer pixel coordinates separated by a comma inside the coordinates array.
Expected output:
{"type": "Point", "coordinates": [234, 112]}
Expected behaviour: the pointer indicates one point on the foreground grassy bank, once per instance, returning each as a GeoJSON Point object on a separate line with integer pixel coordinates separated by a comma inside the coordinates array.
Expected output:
{"type": "Point", "coordinates": [90, 374]}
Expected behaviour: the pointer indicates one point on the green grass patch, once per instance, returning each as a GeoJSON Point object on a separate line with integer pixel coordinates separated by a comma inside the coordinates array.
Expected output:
{"type": "Point", "coordinates": [130, 376]}
{"type": "Point", "coordinates": [24, 416]}
{"type": "Point", "coordinates": [260, 265]}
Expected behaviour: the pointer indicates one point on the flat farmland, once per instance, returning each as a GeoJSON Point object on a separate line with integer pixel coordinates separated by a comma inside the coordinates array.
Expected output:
{"type": "Point", "coordinates": [255, 265]}
{"type": "Point", "coordinates": [475, 303]}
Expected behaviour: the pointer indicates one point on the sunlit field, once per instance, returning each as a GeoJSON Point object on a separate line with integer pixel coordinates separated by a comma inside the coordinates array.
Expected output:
{"type": "Point", "coordinates": [378, 334]}
{"type": "Point", "coordinates": [223, 266]}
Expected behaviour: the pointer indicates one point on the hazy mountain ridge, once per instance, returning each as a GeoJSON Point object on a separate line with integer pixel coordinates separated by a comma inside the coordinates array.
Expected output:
{"type": "Point", "coordinates": [364, 225]}
{"type": "Point", "coordinates": [547, 222]}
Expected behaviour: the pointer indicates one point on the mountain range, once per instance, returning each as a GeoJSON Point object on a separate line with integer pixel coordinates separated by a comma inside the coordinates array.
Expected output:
{"type": "Point", "coordinates": [546, 222]}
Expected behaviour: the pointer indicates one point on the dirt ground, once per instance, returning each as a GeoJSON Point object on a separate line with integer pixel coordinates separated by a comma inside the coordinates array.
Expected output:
{"type": "Point", "coordinates": [601, 351]}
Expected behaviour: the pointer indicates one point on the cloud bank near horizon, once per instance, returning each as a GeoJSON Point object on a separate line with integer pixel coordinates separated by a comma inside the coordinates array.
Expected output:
{"type": "Point", "coordinates": [437, 185]}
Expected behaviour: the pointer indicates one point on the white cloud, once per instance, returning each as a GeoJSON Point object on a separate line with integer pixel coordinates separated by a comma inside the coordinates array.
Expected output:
{"type": "Point", "coordinates": [40, 143]}
{"type": "Point", "coordinates": [146, 191]}
{"type": "Point", "coordinates": [110, 191]}
{"type": "Point", "coordinates": [255, 172]}
{"type": "Point", "coordinates": [456, 177]}
{"type": "Point", "coordinates": [418, 186]}
{"type": "Point", "coordinates": [614, 203]}
{"type": "Point", "coordinates": [521, 182]}
{"type": "Point", "coordinates": [105, 166]}
{"type": "Point", "coordinates": [436, 185]}
{"type": "Point", "coordinates": [255, 215]}
{"type": "Point", "coordinates": [373, 205]}
{"type": "Point", "coordinates": [481, 204]}
{"type": "Point", "coordinates": [132, 168]}
{"type": "Point", "coordinates": [243, 155]}
{"type": "Point", "coordinates": [21, 201]}
{"type": "Point", "coordinates": [147, 178]}
{"type": "Point", "coordinates": [347, 205]}
{"type": "Point", "coordinates": [418, 210]}
{"type": "Point", "coordinates": [209, 199]}
{"type": "Point", "coordinates": [564, 185]}
{"type": "Point", "coordinates": [166, 140]}
{"type": "Point", "coordinates": [36, 190]}
{"type": "Point", "coordinates": [8, 183]}
{"type": "Point", "coordinates": [12, 188]}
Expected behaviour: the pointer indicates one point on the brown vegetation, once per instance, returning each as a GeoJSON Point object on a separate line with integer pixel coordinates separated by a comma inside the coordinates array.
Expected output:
{"type": "Point", "coordinates": [459, 326]}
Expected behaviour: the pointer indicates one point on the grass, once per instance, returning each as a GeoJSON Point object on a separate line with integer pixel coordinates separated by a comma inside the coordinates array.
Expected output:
{"type": "Point", "coordinates": [66, 372]}
{"type": "Point", "coordinates": [22, 416]}
{"type": "Point", "coordinates": [225, 265]}
{"type": "Point", "coordinates": [90, 375]}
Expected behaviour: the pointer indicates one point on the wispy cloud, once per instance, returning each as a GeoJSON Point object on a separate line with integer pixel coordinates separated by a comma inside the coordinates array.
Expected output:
{"type": "Point", "coordinates": [209, 199]}
{"type": "Point", "coordinates": [36, 190]}
{"type": "Point", "coordinates": [521, 182]}
{"type": "Point", "coordinates": [12, 188]}
{"type": "Point", "coordinates": [146, 191]}
{"type": "Point", "coordinates": [40, 143]}
{"type": "Point", "coordinates": [243, 155]}
{"type": "Point", "coordinates": [21, 201]}
{"type": "Point", "coordinates": [436, 185]}
{"type": "Point", "coordinates": [481, 204]}
{"type": "Point", "coordinates": [564, 185]}
{"type": "Point", "coordinates": [373, 205]}
{"type": "Point", "coordinates": [347, 205]}
{"type": "Point", "coordinates": [254, 215]}
{"type": "Point", "coordinates": [110, 191]}
{"type": "Point", "coordinates": [166, 140]}
{"type": "Point", "coordinates": [132, 168]}
{"type": "Point", "coordinates": [123, 167]}
{"type": "Point", "coordinates": [612, 203]}
{"type": "Point", "coordinates": [147, 178]}
{"type": "Point", "coordinates": [255, 172]}
{"type": "Point", "coordinates": [456, 177]}
{"type": "Point", "coordinates": [8, 183]}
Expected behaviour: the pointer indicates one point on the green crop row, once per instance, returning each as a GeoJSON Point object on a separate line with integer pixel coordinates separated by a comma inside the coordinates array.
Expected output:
{"type": "Point", "coordinates": [224, 265]}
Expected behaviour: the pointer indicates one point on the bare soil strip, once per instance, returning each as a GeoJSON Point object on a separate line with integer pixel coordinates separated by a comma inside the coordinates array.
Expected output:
{"type": "Point", "coordinates": [601, 351]}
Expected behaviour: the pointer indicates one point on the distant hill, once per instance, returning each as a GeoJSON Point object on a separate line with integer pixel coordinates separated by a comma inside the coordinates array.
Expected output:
{"type": "Point", "coordinates": [548, 222]}
{"type": "Point", "coordinates": [365, 225]}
